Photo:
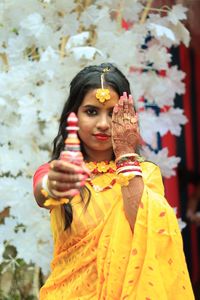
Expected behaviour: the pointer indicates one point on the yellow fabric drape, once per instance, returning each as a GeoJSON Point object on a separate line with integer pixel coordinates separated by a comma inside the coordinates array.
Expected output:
{"type": "Point", "coordinates": [100, 259]}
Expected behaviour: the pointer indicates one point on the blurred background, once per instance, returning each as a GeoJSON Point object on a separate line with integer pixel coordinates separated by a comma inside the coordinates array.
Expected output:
{"type": "Point", "coordinates": [182, 190]}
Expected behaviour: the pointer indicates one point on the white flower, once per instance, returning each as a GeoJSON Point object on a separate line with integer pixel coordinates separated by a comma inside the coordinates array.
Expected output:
{"type": "Point", "coordinates": [176, 77]}
{"type": "Point", "coordinates": [49, 54]}
{"type": "Point", "coordinates": [161, 31]}
{"type": "Point", "coordinates": [77, 40]}
{"type": "Point", "coordinates": [16, 46]}
{"type": "Point", "coordinates": [148, 132]}
{"type": "Point", "coordinates": [86, 52]}
{"type": "Point", "coordinates": [50, 98]}
{"type": "Point", "coordinates": [172, 121]}
{"type": "Point", "coordinates": [166, 163]}
{"type": "Point", "coordinates": [162, 90]}
{"type": "Point", "coordinates": [131, 12]}
{"type": "Point", "coordinates": [182, 34]}
{"type": "Point", "coordinates": [67, 30]}
{"type": "Point", "coordinates": [178, 12]}
{"type": "Point", "coordinates": [93, 16]}
{"type": "Point", "coordinates": [159, 56]}
{"type": "Point", "coordinates": [128, 43]}
{"type": "Point", "coordinates": [138, 83]}
{"type": "Point", "coordinates": [33, 24]}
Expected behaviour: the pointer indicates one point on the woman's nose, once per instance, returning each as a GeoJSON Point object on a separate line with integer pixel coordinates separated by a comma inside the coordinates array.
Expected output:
{"type": "Point", "coordinates": [103, 123]}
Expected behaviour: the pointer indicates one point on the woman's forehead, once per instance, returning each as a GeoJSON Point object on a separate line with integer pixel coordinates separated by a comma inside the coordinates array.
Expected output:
{"type": "Point", "coordinates": [90, 99]}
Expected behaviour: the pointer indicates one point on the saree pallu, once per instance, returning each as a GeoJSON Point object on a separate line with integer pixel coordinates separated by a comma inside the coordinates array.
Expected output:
{"type": "Point", "coordinates": [99, 258]}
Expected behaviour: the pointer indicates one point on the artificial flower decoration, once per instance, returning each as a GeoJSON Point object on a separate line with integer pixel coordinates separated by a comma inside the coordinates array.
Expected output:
{"type": "Point", "coordinates": [102, 95]}
{"type": "Point", "coordinates": [91, 166]}
{"type": "Point", "coordinates": [123, 180]}
{"type": "Point", "coordinates": [101, 167]}
{"type": "Point", "coordinates": [53, 202]}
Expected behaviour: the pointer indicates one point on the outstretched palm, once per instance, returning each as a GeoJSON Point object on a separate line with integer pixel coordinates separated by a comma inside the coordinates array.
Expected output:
{"type": "Point", "coordinates": [125, 133]}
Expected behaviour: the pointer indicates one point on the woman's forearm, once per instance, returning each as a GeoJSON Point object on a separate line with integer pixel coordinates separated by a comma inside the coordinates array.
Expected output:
{"type": "Point", "coordinates": [132, 195]}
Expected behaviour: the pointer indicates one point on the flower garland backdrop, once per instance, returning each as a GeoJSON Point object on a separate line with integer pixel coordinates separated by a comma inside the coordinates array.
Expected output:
{"type": "Point", "coordinates": [43, 44]}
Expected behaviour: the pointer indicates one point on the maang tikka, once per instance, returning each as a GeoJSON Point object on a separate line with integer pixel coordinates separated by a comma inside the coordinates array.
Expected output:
{"type": "Point", "coordinates": [103, 94]}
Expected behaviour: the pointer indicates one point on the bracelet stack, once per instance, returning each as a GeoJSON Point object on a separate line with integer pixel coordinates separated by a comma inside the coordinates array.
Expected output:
{"type": "Point", "coordinates": [45, 187]}
{"type": "Point", "coordinates": [127, 164]}
{"type": "Point", "coordinates": [51, 198]}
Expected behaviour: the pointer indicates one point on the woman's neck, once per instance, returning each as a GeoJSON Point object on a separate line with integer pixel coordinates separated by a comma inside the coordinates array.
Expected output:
{"type": "Point", "coordinates": [98, 156]}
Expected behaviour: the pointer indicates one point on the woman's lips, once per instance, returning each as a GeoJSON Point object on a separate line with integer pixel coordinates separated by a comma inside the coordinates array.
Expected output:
{"type": "Point", "coordinates": [101, 137]}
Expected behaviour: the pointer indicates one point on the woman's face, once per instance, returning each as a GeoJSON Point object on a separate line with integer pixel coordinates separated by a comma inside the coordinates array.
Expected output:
{"type": "Point", "coordinates": [94, 120]}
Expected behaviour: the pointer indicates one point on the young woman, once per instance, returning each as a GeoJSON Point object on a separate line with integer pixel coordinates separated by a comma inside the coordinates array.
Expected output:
{"type": "Point", "coordinates": [118, 238]}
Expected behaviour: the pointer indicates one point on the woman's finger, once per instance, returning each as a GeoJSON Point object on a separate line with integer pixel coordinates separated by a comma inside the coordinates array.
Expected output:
{"type": "Point", "coordinates": [131, 105]}
{"type": "Point", "coordinates": [64, 186]}
{"type": "Point", "coordinates": [125, 104]}
{"type": "Point", "coordinates": [65, 194]}
{"type": "Point", "coordinates": [86, 170]}
{"type": "Point", "coordinates": [65, 177]}
{"type": "Point", "coordinates": [66, 167]}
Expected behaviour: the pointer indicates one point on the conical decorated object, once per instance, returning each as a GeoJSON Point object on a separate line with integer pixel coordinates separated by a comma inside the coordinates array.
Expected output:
{"type": "Point", "coordinates": [72, 152]}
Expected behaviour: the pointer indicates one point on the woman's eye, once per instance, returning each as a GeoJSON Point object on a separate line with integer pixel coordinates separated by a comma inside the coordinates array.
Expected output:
{"type": "Point", "coordinates": [91, 112]}
{"type": "Point", "coordinates": [110, 113]}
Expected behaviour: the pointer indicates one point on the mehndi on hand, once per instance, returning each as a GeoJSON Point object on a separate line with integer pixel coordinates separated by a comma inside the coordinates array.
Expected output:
{"type": "Point", "coordinates": [125, 130]}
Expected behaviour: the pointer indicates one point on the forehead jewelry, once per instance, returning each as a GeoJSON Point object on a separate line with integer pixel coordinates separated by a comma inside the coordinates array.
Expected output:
{"type": "Point", "coordinates": [103, 94]}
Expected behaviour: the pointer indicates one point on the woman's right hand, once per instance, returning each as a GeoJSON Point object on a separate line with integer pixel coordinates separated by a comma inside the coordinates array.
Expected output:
{"type": "Point", "coordinates": [65, 179]}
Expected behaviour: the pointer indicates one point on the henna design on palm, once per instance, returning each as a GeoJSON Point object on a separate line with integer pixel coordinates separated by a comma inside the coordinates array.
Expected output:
{"type": "Point", "coordinates": [125, 130]}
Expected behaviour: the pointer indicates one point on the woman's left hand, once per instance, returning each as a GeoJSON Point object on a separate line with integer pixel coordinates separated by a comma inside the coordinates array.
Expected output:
{"type": "Point", "coordinates": [125, 130]}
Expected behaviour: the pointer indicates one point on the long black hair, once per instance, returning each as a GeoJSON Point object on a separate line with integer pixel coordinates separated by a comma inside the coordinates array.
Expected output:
{"type": "Point", "coordinates": [87, 79]}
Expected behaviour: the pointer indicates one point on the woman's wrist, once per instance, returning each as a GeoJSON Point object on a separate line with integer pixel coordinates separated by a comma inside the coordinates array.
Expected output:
{"type": "Point", "coordinates": [124, 152]}
{"type": "Point", "coordinates": [126, 156]}
{"type": "Point", "coordinates": [127, 168]}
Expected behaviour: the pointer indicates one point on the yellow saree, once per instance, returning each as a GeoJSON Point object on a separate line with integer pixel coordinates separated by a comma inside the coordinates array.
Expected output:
{"type": "Point", "coordinates": [100, 258]}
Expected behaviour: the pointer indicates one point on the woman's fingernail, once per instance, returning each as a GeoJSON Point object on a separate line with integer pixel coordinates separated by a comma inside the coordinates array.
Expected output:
{"type": "Point", "coordinates": [125, 94]}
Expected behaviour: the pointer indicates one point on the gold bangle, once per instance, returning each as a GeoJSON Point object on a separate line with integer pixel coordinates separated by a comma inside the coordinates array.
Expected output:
{"type": "Point", "coordinates": [45, 187]}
